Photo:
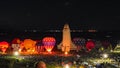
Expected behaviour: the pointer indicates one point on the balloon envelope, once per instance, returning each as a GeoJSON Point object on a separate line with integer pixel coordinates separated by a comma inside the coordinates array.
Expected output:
{"type": "Point", "coordinates": [16, 41]}
{"type": "Point", "coordinates": [4, 45]}
{"type": "Point", "coordinates": [39, 46]}
{"type": "Point", "coordinates": [29, 44]}
{"type": "Point", "coordinates": [39, 43]}
{"type": "Point", "coordinates": [79, 41]}
{"type": "Point", "coordinates": [90, 45]}
{"type": "Point", "coordinates": [49, 43]}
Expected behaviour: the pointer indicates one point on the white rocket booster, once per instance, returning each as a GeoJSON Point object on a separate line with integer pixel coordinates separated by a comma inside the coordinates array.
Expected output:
{"type": "Point", "coordinates": [66, 45]}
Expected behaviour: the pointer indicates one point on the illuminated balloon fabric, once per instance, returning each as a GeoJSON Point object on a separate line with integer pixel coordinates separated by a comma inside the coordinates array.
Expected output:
{"type": "Point", "coordinates": [15, 47]}
{"type": "Point", "coordinates": [39, 43]}
{"type": "Point", "coordinates": [79, 41]}
{"type": "Point", "coordinates": [105, 43]}
{"type": "Point", "coordinates": [16, 44]}
{"type": "Point", "coordinates": [39, 46]}
{"type": "Point", "coordinates": [29, 44]}
{"type": "Point", "coordinates": [49, 43]}
{"type": "Point", "coordinates": [4, 45]}
{"type": "Point", "coordinates": [21, 45]}
{"type": "Point", "coordinates": [16, 41]}
{"type": "Point", "coordinates": [90, 45]}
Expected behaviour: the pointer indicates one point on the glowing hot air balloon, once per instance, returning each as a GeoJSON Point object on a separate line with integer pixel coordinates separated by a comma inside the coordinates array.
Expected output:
{"type": "Point", "coordinates": [16, 41]}
{"type": "Point", "coordinates": [90, 45]}
{"type": "Point", "coordinates": [29, 45]}
{"type": "Point", "coordinates": [49, 43]}
{"type": "Point", "coordinates": [39, 46]}
{"type": "Point", "coordinates": [3, 46]}
{"type": "Point", "coordinates": [79, 42]}
{"type": "Point", "coordinates": [16, 44]}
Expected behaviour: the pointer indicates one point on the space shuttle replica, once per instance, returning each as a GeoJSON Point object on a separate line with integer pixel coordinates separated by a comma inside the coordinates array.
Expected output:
{"type": "Point", "coordinates": [66, 45]}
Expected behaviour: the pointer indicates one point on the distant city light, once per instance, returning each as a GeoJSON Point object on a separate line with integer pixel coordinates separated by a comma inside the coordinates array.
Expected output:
{"type": "Point", "coordinates": [73, 30]}
{"type": "Point", "coordinates": [108, 36]}
{"type": "Point", "coordinates": [92, 31]}
{"type": "Point", "coordinates": [34, 30]}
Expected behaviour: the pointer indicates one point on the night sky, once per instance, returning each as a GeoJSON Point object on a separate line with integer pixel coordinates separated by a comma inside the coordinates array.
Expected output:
{"type": "Point", "coordinates": [46, 15]}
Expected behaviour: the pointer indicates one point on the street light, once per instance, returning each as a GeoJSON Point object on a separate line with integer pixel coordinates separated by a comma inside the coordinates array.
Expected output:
{"type": "Point", "coordinates": [105, 55]}
{"type": "Point", "coordinates": [66, 66]}
{"type": "Point", "coordinates": [16, 53]}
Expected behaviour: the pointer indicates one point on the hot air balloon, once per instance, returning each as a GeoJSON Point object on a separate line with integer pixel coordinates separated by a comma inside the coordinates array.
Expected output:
{"type": "Point", "coordinates": [16, 41]}
{"type": "Point", "coordinates": [21, 46]}
{"type": "Point", "coordinates": [79, 42]}
{"type": "Point", "coordinates": [49, 43]}
{"type": "Point", "coordinates": [90, 45]}
{"type": "Point", "coordinates": [16, 44]}
{"type": "Point", "coordinates": [3, 46]}
{"type": "Point", "coordinates": [39, 46]}
{"type": "Point", "coordinates": [29, 45]}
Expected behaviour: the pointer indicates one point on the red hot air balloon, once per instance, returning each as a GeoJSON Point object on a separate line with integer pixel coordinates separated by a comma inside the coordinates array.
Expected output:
{"type": "Point", "coordinates": [16, 44]}
{"type": "Point", "coordinates": [90, 45]}
{"type": "Point", "coordinates": [16, 41]}
{"type": "Point", "coordinates": [3, 46]}
{"type": "Point", "coordinates": [49, 43]}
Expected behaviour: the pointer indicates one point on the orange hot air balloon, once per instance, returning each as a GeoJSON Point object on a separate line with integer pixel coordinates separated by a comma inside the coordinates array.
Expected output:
{"type": "Point", "coordinates": [49, 43]}
{"type": "Point", "coordinates": [3, 46]}
{"type": "Point", "coordinates": [29, 45]}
